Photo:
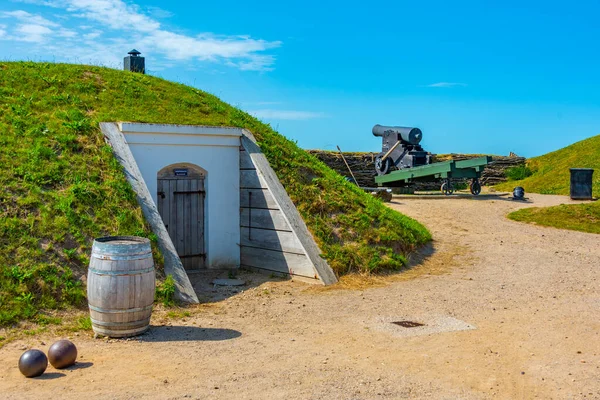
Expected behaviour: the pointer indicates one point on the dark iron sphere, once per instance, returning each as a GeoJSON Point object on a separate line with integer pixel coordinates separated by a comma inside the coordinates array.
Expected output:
{"type": "Point", "coordinates": [519, 193]}
{"type": "Point", "coordinates": [62, 354]}
{"type": "Point", "coordinates": [33, 363]}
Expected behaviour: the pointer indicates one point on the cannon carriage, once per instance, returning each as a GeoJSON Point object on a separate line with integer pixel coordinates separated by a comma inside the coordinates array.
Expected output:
{"type": "Point", "coordinates": [403, 161]}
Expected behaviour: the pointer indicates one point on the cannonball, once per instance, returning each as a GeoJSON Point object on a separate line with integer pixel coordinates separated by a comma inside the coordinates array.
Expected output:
{"type": "Point", "coordinates": [519, 193]}
{"type": "Point", "coordinates": [33, 363]}
{"type": "Point", "coordinates": [62, 354]}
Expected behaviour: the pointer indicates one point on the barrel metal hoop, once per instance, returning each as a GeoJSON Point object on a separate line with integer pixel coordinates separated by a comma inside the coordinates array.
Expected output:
{"type": "Point", "coordinates": [130, 310]}
{"type": "Point", "coordinates": [103, 323]}
{"type": "Point", "coordinates": [119, 257]}
{"type": "Point", "coordinates": [121, 333]}
{"type": "Point", "coordinates": [133, 239]}
{"type": "Point", "coordinates": [121, 273]}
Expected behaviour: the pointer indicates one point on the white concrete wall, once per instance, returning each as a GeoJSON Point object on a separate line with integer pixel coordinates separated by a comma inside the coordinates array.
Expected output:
{"type": "Point", "coordinates": [216, 150]}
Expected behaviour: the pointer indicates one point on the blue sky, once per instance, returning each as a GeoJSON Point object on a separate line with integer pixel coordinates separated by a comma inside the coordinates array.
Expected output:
{"type": "Point", "coordinates": [475, 76]}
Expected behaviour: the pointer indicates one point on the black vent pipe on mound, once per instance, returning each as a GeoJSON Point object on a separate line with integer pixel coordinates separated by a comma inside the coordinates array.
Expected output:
{"type": "Point", "coordinates": [134, 63]}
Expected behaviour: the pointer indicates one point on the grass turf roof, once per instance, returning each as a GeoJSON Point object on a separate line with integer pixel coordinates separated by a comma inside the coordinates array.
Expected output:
{"type": "Point", "coordinates": [62, 187]}
{"type": "Point", "coordinates": [551, 175]}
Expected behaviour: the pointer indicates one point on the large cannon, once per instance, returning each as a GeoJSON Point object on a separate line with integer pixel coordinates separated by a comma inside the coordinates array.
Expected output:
{"type": "Point", "coordinates": [400, 148]}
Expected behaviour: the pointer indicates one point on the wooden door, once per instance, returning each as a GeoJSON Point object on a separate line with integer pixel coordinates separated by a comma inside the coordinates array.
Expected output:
{"type": "Point", "coordinates": [181, 206]}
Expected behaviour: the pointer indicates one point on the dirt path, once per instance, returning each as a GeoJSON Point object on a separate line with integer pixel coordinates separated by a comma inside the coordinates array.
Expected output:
{"type": "Point", "coordinates": [514, 316]}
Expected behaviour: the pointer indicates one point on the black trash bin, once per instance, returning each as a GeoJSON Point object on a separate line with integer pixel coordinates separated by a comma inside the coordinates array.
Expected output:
{"type": "Point", "coordinates": [581, 183]}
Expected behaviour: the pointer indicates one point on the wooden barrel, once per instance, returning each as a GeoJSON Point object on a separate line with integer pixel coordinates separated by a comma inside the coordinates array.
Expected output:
{"type": "Point", "coordinates": [120, 286]}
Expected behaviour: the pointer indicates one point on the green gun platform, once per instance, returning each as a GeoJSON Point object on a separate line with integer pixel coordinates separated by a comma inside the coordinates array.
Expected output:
{"type": "Point", "coordinates": [446, 170]}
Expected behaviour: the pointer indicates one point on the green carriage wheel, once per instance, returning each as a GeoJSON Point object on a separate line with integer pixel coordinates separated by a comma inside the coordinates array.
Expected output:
{"type": "Point", "coordinates": [475, 187]}
{"type": "Point", "coordinates": [447, 187]}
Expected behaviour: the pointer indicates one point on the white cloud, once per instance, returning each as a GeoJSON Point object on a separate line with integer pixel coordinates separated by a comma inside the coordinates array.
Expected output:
{"type": "Point", "coordinates": [207, 46]}
{"type": "Point", "coordinates": [66, 33]}
{"type": "Point", "coordinates": [92, 35]}
{"type": "Point", "coordinates": [113, 13]}
{"type": "Point", "coordinates": [28, 18]}
{"type": "Point", "coordinates": [286, 114]}
{"type": "Point", "coordinates": [257, 63]}
{"type": "Point", "coordinates": [2, 33]}
{"type": "Point", "coordinates": [446, 84]}
{"type": "Point", "coordinates": [106, 20]}
{"type": "Point", "coordinates": [158, 12]}
{"type": "Point", "coordinates": [32, 33]}
{"type": "Point", "coordinates": [49, 3]}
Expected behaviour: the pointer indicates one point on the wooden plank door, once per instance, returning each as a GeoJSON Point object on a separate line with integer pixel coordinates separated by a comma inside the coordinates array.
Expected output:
{"type": "Point", "coordinates": [181, 206]}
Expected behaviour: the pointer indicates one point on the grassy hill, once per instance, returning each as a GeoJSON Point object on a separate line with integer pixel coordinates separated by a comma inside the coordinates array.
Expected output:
{"type": "Point", "coordinates": [61, 186]}
{"type": "Point", "coordinates": [576, 217]}
{"type": "Point", "coordinates": [550, 172]}
{"type": "Point", "coordinates": [550, 175]}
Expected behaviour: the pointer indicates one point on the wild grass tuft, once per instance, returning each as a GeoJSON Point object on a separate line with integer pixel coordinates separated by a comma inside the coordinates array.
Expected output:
{"type": "Point", "coordinates": [518, 173]}
{"type": "Point", "coordinates": [165, 291]}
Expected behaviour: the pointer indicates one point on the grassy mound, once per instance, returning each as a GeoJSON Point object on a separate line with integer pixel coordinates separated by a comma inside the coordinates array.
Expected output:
{"type": "Point", "coordinates": [549, 174]}
{"type": "Point", "coordinates": [577, 217]}
{"type": "Point", "coordinates": [62, 187]}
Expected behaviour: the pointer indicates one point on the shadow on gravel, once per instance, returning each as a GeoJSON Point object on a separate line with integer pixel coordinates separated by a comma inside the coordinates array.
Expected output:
{"type": "Point", "coordinates": [397, 199]}
{"type": "Point", "coordinates": [49, 375]}
{"type": "Point", "coordinates": [503, 198]}
{"type": "Point", "coordinates": [79, 365]}
{"type": "Point", "coordinates": [421, 255]}
{"type": "Point", "coordinates": [209, 293]}
{"type": "Point", "coordinates": [187, 333]}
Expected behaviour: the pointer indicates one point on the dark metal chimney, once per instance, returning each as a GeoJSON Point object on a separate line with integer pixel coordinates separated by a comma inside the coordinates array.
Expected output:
{"type": "Point", "coordinates": [134, 63]}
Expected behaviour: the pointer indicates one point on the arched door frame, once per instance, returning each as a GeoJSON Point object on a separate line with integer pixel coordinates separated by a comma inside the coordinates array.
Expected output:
{"type": "Point", "coordinates": [181, 201]}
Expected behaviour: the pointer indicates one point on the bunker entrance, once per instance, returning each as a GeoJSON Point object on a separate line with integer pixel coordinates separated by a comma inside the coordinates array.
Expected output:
{"type": "Point", "coordinates": [181, 197]}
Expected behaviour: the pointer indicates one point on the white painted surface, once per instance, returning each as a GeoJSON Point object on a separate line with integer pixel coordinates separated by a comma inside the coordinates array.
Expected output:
{"type": "Point", "coordinates": [214, 149]}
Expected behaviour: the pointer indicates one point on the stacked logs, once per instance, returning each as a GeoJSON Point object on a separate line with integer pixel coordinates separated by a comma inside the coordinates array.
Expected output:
{"type": "Point", "coordinates": [494, 172]}
{"type": "Point", "coordinates": [363, 166]}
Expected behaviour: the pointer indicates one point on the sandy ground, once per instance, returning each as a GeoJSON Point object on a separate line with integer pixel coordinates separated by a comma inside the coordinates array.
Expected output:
{"type": "Point", "coordinates": [509, 311]}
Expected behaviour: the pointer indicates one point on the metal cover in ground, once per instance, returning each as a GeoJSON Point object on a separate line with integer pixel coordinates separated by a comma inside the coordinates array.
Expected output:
{"type": "Point", "coordinates": [407, 324]}
{"type": "Point", "coordinates": [228, 282]}
{"type": "Point", "coordinates": [404, 325]}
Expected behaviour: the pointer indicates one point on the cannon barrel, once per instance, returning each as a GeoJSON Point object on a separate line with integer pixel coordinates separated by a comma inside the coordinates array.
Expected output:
{"type": "Point", "coordinates": [409, 135]}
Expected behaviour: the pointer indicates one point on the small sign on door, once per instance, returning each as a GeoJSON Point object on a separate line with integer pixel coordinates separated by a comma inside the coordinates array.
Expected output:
{"type": "Point", "coordinates": [180, 171]}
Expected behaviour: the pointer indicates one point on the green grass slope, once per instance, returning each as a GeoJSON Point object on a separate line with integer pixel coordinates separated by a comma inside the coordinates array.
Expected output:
{"type": "Point", "coordinates": [61, 186]}
{"type": "Point", "coordinates": [576, 217]}
{"type": "Point", "coordinates": [551, 171]}
{"type": "Point", "coordinates": [550, 175]}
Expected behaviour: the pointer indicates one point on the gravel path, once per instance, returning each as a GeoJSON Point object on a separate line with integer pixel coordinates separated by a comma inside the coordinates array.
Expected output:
{"type": "Point", "coordinates": [508, 311]}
